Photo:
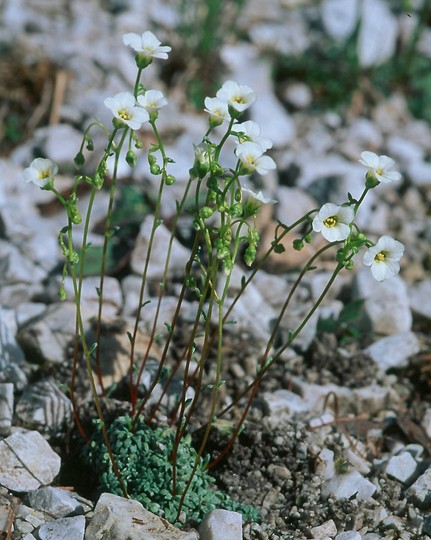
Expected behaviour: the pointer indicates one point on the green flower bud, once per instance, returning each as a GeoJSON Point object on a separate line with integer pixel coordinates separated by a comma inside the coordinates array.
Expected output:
{"type": "Point", "coordinates": [73, 257]}
{"type": "Point", "coordinates": [349, 265]}
{"type": "Point", "coordinates": [206, 212]}
{"type": "Point", "coordinates": [227, 266]}
{"type": "Point", "coordinates": [223, 252]}
{"type": "Point", "coordinates": [202, 162]}
{"type": "Point", "coordinates": [236, 210]}
{"type": "Point", "coordinates": [131, 158]}
{"type": "Point", "coordinates": [90, 145]}
{"type": "Point", "coordinates": [307, 238]}
{"type": "Point", "coordinates": [79, 160]}
{"type": "Point", "coordinates": [98, 180]}
{"type": "Point", "coordinates": [298, 244]}
{"type": "Point", "coordinates": [170, 179]}
{"type": "Point", "coordinates": [155, 169]}
{"type": "Point", "coordinates": [250, 255]}
{"type": "Point", "coordinates": [74, 214]}
{"type": "Point", "coordinates": [62, 295]}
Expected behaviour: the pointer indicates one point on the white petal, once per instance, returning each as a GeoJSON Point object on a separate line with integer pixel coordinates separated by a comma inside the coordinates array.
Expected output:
{"type": "Point", "coordinates": [133, 40]}
{"type": "Point", "coordinates": [369, 159]}
{"type": "Point", "coordinates": [379, 270]}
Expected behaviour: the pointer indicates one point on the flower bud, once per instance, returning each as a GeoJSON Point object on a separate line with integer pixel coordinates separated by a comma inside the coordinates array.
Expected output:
{"type": "Point", "coordinates": [98, 180]}
{"type": "Point", "coordinates": [131, 158]}
{"type": "Point", "coordinates": [79, 160]}
{"type": "Point", "coordinates": [298, 244]}
{"type": "Point", "coordinates": [206, 212]}
{"type": "Point", "coordinates": [223, 252]}
{"type": "Point", "coordinates": [74, 214]}
{"type": "Point", "coordinates": [250, 255]}
{"type": "Point", "coordinates": [90, 145]}
{"type": "Point", "coordinates": [202, 162]}
{"type": "Point", "coordinates": [62, 295]}
{"type": "Point", "coordinates": [170, 179]}
{"type": "Point", "coordinates": [236, 210]}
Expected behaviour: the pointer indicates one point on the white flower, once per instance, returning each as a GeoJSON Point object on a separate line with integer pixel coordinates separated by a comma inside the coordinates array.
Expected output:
{"type": "Point", "coordinates": [147, 44]}
{"type": "Point", "coordinates": [217, 109]}
{"type": "Point", "coordinates": [124, 108]}
{"type": "Point", "coordinates": [40, 172]}
{"type": "Point", "coordinates": [380, 166]}
{"type": "Point", "coordinates": [238, 96]}
{"type": "Point", "coordinates": [152, 100]}
{"type": "Point", "coordinates": [259, 196]}
{"type": "Point", "coordinates": [383, 257]}
{"type": "Point", "coordinates": [333, 221]}
{"type": "Point", "coordinates": [251, 156]}
{"type": "Point", "coordinates": [251, 132]}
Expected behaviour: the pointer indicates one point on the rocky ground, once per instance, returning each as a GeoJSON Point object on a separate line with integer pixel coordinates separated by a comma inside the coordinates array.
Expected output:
{"type": "Point", "coordinates": [338, 441]}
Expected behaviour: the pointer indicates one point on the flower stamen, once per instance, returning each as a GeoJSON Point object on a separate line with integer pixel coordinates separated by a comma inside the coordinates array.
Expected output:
{"type": "Point", "coordinates": [124, 115]}
{"type": "Point", "coordinates": [330, 221]}
{"type": "Point", "coordinates": [380, 257]}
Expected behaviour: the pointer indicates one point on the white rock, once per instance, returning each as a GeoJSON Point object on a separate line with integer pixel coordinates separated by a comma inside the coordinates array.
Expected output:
{"type": "Point", "coordinates": [348, 535]}
{"type": "Point", "coordinates": [394, 351]}
{"type": "Point", "coordinates": [325, 466]}
{"type": "Point", "coordinates": [46, 337]}
{"type": "Point", "coordinates": [402, 467]}
{"type": "Point", "coordinates": [221, 525]}
{"type": "Point", "coordinates": [16, 267]}
{"type": "Point", "coordinates": [289, 38]}
{"type": "Point", "coordinates": [273, 119]}
{"type": "Point", "coordinates": [375, 46]}
{"type": "Point", "coordinates": [27, 462]}
{"type": "Point", "coordinates": [417, 293]}
{"type": "Point", "coordinates": [374, 398]}
{"type": "Point", "coordinates": [68, 528]}
{"type": "Point", "coordinates": [179, 254]}
{"type": "Point", "coordinates": [339, 17]}
{"type": "Point", "coordinates": [58, 502]}
{"type": "Point", "coordinates": [115, 517]}
{"type": "Point", "coordinates": [420, 492]}
{"type": "Point", "coordinates": [43, 406]}
{"type": "Point", "coordinates": [62, 142]}
{"type": "Point", "coordinates": [131, 288]}
{"type": "Point", "coordinates": [316, 395]}
{"type": "Point", "coordinates": [272, 287]}
{"type": "Point", "coordinates": [293, 203]}
{"type": "Point", "coordinates": [299, 95]}
{"type": "Point", "coordinates": [6, 408]}
{"type": "Point", "coordinates": [112, 295]}
{"type": "Point", "coordinates": [426, 421]}
{"type": "Point", "coordinates": [405, 151]}
{"type": "Point", "coordinates": [282, 405]}
{"type": "Point", "coordinates": [326, 529]}
{"type": "Point", "coordinates": [352, 484]}
{"type": "Point", "coordinates": [166, 313]}
{"type": "Point", "coordinates": [386, 303]}
{"type": "Point", "coordinates": [420, 173]}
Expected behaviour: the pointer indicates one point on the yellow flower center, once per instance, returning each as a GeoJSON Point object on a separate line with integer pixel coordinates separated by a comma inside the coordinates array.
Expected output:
{"type": "Point", "coordinates": [381, 256]}
{"type": "Point", "coordinates": [43, 175]}
{"type": "Point", "coordinates": [330, 222]}
{"type": "Point", "coordinates": [238, 99]}
{"type": "Point", "coordinates": [380, 172]}
{"type": "Point", "coordinates": [124, 115]}
{"type": "Point", "coordinates": [250, 160]}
